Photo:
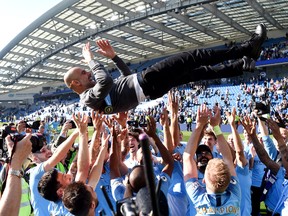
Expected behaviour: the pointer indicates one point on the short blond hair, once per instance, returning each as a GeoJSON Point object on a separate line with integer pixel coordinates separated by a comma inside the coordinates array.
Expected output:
{"type": "Point", "coordinates": [217, 175]}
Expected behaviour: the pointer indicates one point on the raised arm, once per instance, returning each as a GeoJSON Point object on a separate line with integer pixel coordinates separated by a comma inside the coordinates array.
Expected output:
{"type": "Point", "coordinates": [114, 157]}
{"type": "Point", "coordinates": [107, 50]}
{"type": "Point", "coordinates": [62, 136]}
{"type": "Point", "coordinates": [250, 127]}
{"type": "Point", "coordinates": [267, 141]}
{"type": "Point", "coordinates": [121, 139]}
{"type": "Point", "coordinates": [222, 143]}
{"type": "Point", "coordinates": [239, 149]}
{"type": "Point", "coordinates": [96, 170]}
{"type": "Point", "coordinates": [167, 158]}
{"type": "Point", "coordinates": [104, 81]}
{"type": "Point", "coordinates": [10, 201]}
{"type": "Point", "coordinates": [60, 152]}
{"type": "Point", "coordinates": [281, 145]}
{"type": "Point", "coordinates": [164, 121]}
{"type": "Point", "coordinates": [97, 120]}
{"type": "Point", "coordinates": [121, 118]}
{"type": "Point", "coordinates": [83, 160]}
{"type": "Point", "coordinates": [173, 107]}
{"type": "Point", "coordinates": [189, 164]}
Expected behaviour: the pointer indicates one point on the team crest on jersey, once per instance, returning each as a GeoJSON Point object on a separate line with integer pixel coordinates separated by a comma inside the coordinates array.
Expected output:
{"type": "Point", "coordinates": [108, 109]}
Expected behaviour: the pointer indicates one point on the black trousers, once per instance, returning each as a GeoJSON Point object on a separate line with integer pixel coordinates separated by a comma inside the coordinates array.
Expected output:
{"type": "Point", "coordinates": [255, 199]}
{"type": "Point", "coordinates": [190, 66]}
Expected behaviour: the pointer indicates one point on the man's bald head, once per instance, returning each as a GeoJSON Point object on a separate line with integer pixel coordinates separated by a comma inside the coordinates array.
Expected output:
{"type": "Point", "coordinates": [79, 80]}
{"type": "Point", "coordinates": [70, 75]}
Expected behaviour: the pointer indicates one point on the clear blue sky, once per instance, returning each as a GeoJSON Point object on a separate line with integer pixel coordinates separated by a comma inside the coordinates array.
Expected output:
{"type": "Point", "coordinates": [15, 15]}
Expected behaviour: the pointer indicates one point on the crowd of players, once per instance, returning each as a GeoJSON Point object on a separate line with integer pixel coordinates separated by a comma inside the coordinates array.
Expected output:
{"type": "Point", "coordinates": [193, 179]}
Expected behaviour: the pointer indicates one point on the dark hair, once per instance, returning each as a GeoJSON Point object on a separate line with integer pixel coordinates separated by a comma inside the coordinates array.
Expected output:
{"type": "Point", "coordinates": [143, 202]}
{"type": "Point", "coordinates": [48, 185]}
{"type": "Point", "coordinates": [135, 133]}
{"type": "Point", "coordinates": [137, 178]}
{"type": "Point", "coordinates": [77, 199]}
{"type": "Point", "coordinates": [210, 133]}
{"type": "Point", "coordinates": [202, 148]}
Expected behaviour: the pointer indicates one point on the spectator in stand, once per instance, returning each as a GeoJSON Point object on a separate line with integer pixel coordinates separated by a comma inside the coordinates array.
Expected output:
{"type": "Point", "coordinates": [46, 130]}
{"type": "Point", "coordinates": [189, 123]}
{"type": "Point", "coordinates": [55, 124]}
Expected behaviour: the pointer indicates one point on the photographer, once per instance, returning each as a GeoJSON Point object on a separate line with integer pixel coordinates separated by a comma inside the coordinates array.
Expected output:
{"type": "Point", "coordinates": [12, 140]}
{"type": "Point", "coordinates": [10, 201]}
{"type": "Point", "coordinates": [20, 128]}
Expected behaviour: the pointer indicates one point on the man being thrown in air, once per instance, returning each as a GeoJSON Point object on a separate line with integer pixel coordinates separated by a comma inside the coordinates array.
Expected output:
{"type": "Point", "coordinates": [112, 96]}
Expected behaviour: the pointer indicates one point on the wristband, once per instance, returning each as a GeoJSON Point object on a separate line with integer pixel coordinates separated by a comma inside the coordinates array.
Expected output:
{"type": "Point", "coordinates": [18, 173]}
{"type": "Point", "coordinates": [266, 116]}
{"type": "Point", "coordinates": [217, 130]}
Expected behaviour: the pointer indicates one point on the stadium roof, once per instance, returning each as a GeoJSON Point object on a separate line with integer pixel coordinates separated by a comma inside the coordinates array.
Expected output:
{"type": "Point", "coordinates": [139, 30]}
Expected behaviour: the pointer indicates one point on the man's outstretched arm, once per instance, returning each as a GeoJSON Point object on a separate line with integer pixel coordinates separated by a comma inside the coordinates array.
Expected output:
{"type": "Point", "coordinates": [239, 149]}
{"type": "Point", "coordinates": [250, 127]}
{"type": "Point", "coordinates": [167, 158]}
{"type": "Point", "coordinates": [96, 170]}
{"type": "Point", "coordinates": [222, 143]}
{"type": "Point", "coordinates": [107, 50]}
{"type": "Point", "coordinates": [189, 165]}
{"type": "Point", "coordinates": [60, 152]}
{"type": "Point", "coordinates": [83, 160]}
{"type": "Point", "coordinates": [104, 81]}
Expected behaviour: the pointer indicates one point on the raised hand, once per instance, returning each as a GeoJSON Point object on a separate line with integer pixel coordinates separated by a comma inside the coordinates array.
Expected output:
{"type": "Point", "coordinates": [122, 135]}
{"type": "Point", "coordinates": [274, 128]}
{"type": "Point", "coordinates": [97, 119]}
{"type": "Point", "coordinates": [105, 49]}
{"type": "Point", "coordinates": [203, 114]}
{"type": "Point", "coordinates": [66, 126]}
{"type": "Point", "coordinates": [173, 102]}
{"type": "Point", "coordinates": [231, 116]}
{"type": "Point", "coordinates": [81, 122]}
{"type": "Point", "coordinates": [216, 118]}
{"type": "Point", "coordinates": [23, 149]}
{"type": "Point", "coordinates": [110, 123]}
{"type": "Point", "coordinates": [121, 118]}
{"type": "Point", "coordinates": [164, 117]}
{"type": "Point", "coordinates": [177, 157]}
{"type": "Point", "coordinates": [249, 125]}
{"type": "Point", "coordinates": [151, 126]}
{"type": "Point", "coordinates": [87, 53]}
